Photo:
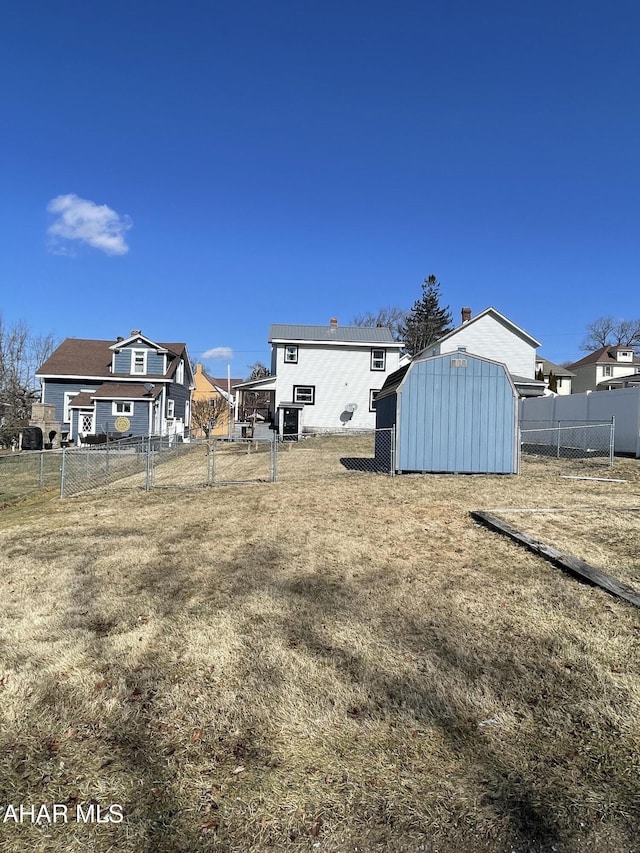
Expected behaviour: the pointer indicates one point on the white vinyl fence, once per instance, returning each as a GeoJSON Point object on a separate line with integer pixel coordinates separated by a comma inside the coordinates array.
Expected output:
{"type": "Point", "coordinates": [595, 407]}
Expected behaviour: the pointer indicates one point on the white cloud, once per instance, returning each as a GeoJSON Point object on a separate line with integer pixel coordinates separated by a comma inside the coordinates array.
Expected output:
{"type": "Point", "coordinates": [224, 353]}
{"type": "Point", "coordinates": [91, 223]}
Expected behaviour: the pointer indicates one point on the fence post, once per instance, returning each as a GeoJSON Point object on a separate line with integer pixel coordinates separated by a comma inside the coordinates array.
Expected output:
{"type": "Point", "coordinates": [612, 439]}
{"type": "Point", "coordinates": [392, 455]}
{"type": "Point", "coordinates": [212, 461]}
{"type": "Point", "coordinates": [558, 443]}
{"type": "Point", "coordinates": [41, 470]}
{"type": "Point", "coordinates": [63, 471]}
{"type": "Point", "coordinates": [147, 479]}
{"type": "Point", "coordinates": [274, 459]}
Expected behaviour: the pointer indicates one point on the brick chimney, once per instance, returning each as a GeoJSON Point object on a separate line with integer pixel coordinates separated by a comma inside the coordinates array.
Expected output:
{"type": "Point", "coordinates": [466, 315]}
{"type": "Point", "coordinates": [333, 323]}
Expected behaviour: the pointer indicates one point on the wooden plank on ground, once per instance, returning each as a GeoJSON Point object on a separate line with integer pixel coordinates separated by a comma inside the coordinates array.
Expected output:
{"type": "Point", "coordinates": [573, 565]}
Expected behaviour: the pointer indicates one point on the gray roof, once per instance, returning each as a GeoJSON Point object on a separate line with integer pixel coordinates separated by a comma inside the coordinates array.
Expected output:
{"type": "Point", "coordinates": [329, 334]}
{"type": "Point", "coordinates": [558, 369]}
{"type": "Point", "coordinates": [524, 386]}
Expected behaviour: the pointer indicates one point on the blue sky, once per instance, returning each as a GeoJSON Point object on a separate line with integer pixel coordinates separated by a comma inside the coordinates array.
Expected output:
{"type": "Point", "coordinates": [201, 170]}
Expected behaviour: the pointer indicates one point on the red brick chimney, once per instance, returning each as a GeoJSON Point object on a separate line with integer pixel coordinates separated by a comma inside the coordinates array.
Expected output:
{"type": "Point", "coordinates": [466, 315]}
{"type": "Point", "coordinates": [333, 322]}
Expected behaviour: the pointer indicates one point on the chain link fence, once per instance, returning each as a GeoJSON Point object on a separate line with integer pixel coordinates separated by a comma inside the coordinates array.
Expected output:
{"type": "Point", "coordinates": [160, 462]}
{"type": "Point", "coordinates": [570, 440]}
{"type": "Point", "coordinates": [157, 462]}
{"type": "Point", "coordinates": [28, 471]}
{"type": "Point", "coordinates": [333, 455]}
{"type": "Point", "coordinates": [243, 460]}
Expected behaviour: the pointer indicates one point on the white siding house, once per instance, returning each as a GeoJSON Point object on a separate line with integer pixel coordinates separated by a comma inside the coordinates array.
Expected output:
{"type": "Point", "coordinates": [604, 368]}
{"type": "Point", "coordinates": [324, 378]}
{"type": "Point", "coordinates": [492, 335]}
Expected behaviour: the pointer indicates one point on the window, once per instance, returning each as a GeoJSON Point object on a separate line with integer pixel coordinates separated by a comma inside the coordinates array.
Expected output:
{"type": "Point", "coordinates": [122, 407]}
{"type": "Point", "coordinates": [85, 420]}
{"type": "Point", "coordinates": [180, 373]}
{"type": "Point", "coordinates": [68, 397]}
{"type": "Point", "coordinates": [606, 370]}
{"type": "Point", "coordinates": [378, 359]}
{"type": "Point", "coordinates": [171, 408]}
{"type": "Point", "coordinates": [291, 354]}
{"type": "Point", "coordinates": [139, 361]}
{"type": "Point", "coordinates": [304, 394]}
{"type": "Point", "coordinates": [373, 393]}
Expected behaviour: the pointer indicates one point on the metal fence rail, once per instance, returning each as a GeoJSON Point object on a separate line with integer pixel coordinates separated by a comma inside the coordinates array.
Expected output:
{"type": "Point", "coordinates": [570, 440]}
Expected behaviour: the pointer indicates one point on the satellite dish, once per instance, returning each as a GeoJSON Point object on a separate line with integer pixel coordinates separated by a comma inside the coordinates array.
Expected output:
{"type": "Point", "coordinates": [351, 407]}
{"type": "Point", "coordinates": [148, 386]}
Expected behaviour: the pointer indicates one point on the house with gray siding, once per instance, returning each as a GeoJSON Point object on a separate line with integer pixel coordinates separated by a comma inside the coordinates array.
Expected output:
{"type": "Point", "coordinates": [130, 386]}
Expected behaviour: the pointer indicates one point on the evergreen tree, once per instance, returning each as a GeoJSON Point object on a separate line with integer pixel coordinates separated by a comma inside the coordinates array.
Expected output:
{"type": "Point", "coordinates": [428, 320]}
{"type": "Point", "coordinates": [553, 382]}
{"type": "Point", "coordinates": [540, 375]}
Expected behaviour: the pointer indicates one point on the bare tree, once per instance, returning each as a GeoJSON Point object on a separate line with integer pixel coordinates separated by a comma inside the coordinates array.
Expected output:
{"type": "Point", "coordinates": [207, 414]}
{"type": "Point", "coordinates": [21, 354]}
{"type": "Point", "coordinates": [391, 317]}
{"type": "Point", "coordinates": [607, 332]}
{"type": "Point", "coordinates": [258, 370]}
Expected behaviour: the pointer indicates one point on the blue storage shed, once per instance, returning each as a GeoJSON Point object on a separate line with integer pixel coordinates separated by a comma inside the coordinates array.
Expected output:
{"type": "Point", "coordinates": [455, 413]}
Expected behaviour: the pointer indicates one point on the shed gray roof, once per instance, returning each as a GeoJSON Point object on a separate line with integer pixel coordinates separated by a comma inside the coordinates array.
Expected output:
{"type": "Point", "coordinates": [329, 334]}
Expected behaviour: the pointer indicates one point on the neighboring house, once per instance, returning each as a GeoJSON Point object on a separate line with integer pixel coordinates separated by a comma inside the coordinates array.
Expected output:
{"type": "Point", "coordinates": [492, 335]}
{"type": "Point", "coordinates": [454, 412]}
{"type": "Point", "coordinates": [562, 374]}
{"type": "Point", "coordinates": [219, 396]}
{"type": "Point", "coordinates": [324, 378]}
{"type": "Point", "coordinates": [130, 386]}
{"type": "Point", "coordinates": [596, 370]}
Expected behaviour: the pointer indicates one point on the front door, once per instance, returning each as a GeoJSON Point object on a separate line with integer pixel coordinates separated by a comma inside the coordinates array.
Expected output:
{"type": "Point", "coordinates": [290, 419]}
{"type": "Point", "coordinates": [85, 422]}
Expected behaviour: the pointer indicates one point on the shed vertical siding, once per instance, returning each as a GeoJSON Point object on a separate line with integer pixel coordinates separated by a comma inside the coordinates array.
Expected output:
{"type": "Point", "coordinates": [457, 419]}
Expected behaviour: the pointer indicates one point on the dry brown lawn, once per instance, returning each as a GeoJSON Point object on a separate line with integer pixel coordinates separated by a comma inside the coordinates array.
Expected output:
{"type": "Point", "coordinates": [332, 664]}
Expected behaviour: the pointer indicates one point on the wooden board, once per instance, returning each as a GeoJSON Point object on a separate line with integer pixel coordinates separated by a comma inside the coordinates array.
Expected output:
{"type": "Point", "coordinates": [573, 565]}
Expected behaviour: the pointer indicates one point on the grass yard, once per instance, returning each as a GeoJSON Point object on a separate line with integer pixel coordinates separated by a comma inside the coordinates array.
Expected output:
{"type": "Point", "coordinates": [345, 664]}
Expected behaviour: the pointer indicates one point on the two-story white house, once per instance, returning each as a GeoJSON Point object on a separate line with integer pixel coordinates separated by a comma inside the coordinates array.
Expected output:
{"type": "Point", "coordinates": [492, 335]}
{"type": "Point", "coordinates": [324, 378]}
{"type": "Point", "coordinates": [605, 368]}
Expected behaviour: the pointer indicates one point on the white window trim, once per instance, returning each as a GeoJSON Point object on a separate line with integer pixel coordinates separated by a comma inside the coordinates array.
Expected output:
{"type": "Point", "coordinates": [123, 403]}
{"type": "Point", "coordinates": [66, 411]}
{"type": "Point", "coordinates": [171, 408]}
{"type": "Point", "coordinates": [375, 359]}
{"type": "Point", "coordinates": [372, 391]}
{"type": "Point", "coordinates": [144, 353]}
{"type": "Point", "coordinates": [298, 388]}
{"type": "Point", "coordinates": [180, 373]}
{"type": "Point", "coordinates": [82, 413]}
{"type": "Point", "coordinates": [294, 359]}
